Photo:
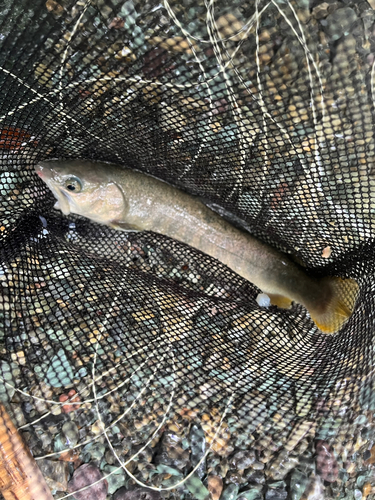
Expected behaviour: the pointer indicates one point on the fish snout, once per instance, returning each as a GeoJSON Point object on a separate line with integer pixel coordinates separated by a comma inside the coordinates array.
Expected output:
{"type": "Point", "coordinates": [39, 171]}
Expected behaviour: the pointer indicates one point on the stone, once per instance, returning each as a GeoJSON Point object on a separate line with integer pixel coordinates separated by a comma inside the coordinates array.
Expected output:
{"type": "Point", "coordinates": [339, 22]}
{"type": "Point", "coordinates": [255, 493]}
{"type": "Point", "coordinates": [281, 466]}
{"type": "Point", "coordinates": [298, 484]}
{"type": "Point", "coordinates": [116, 477]}
{"type": "Point", "coordinates": [215, 486]}
{"type": "Point", "coordinates": [230, 492]}
{"type": "Point", "coordinates": [55, 473]}
{"type": "Point", "coordinates": [243, 459]}
{"type": "Point", "coordinates": [198, 448]}
{"type": "Point", "coordinates": [326, 463]}
{"type": "Point", "coordinates": [315, 490]}
{"type": "Point", "coordinates": [71, 434]}
{"type": "Point", "coordinates": [72, 399]}
{"type": "Point", "coordinates": [136, 494]}
{"type": "Point", "coordinates": [370, 456]}
{"type": "Point", "coordinates": [174, 456]}
{"type": "Point", "coordinates": [276, 494]}
{"type": "Point", "coordinates": [84, 476]}
{"type": "Point", "coordinates": [254, 476]}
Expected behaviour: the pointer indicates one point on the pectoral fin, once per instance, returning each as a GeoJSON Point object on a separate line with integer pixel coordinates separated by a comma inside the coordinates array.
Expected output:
{"type": "Point", "coordinates": [124, 226]}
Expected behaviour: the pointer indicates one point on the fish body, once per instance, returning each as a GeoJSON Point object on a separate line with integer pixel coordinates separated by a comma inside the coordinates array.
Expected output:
{"type": "Point", "coordinates": [130, 200]}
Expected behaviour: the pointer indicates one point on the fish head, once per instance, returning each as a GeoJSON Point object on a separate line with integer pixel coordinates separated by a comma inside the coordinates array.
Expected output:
{"type": "Point", "coordinates": [83, 188]}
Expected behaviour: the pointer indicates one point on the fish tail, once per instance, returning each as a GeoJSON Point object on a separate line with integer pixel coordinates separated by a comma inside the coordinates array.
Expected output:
{"type": "Point", "coordinates": [338, 304]}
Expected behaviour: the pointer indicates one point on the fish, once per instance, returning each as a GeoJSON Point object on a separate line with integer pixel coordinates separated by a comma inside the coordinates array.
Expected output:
{"type": "Point", "coordinates": [129, 200]}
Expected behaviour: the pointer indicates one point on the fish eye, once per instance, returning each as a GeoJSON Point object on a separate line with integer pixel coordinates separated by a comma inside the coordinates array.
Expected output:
{"type": "Point", "coordinates": [73, 184]}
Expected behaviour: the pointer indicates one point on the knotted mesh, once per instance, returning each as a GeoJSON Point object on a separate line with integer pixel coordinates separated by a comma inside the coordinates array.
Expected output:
{"type": "Point", "coordinates": [133, 360]}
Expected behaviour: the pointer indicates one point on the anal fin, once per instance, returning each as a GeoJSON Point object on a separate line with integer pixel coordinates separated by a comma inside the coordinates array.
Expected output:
{"type": "Point", "coordinates": [280, 301]}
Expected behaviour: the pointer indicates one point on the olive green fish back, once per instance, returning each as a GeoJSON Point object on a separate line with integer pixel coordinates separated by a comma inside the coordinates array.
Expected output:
{"type": "Point", "coordinates": [132, 361]}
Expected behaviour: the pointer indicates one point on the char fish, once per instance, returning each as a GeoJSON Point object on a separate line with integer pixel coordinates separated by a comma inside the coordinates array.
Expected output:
{"type": "Point", "coordinates": [129, 200]}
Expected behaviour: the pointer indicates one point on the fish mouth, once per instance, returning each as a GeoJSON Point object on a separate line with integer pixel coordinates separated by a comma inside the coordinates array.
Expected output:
{"type": "Point", "coordinates": [39, 171]}
{"type": "Point", "coordinates": [63, 199]}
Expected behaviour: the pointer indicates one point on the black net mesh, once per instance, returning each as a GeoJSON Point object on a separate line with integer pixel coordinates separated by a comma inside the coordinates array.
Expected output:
{"type": "Point", "coordinates": [133, 361]}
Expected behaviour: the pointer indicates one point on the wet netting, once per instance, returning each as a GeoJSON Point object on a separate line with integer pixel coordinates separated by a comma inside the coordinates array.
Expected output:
{"type": "Point", "coordinates": [135, 366]}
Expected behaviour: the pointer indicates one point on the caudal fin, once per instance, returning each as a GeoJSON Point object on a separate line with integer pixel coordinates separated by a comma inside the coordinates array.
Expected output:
{"type": "Point", "coordinates": [338, 306]}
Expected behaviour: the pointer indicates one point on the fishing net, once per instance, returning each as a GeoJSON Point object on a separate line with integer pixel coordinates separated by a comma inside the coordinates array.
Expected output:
{"type": "Point", "coordinates": [135, 362]}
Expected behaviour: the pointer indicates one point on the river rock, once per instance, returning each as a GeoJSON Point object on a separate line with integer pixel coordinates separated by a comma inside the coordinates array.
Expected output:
{"type": "Point", "coordinates": [85, 476]}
